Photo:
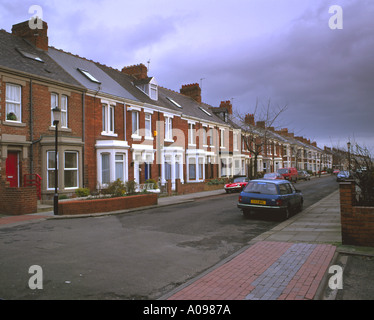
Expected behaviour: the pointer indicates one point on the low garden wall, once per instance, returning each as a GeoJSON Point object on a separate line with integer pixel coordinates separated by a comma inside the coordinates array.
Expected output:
{"type": "Point", "coordinates": [75, 207]}
{"type": "Point", "coordinates": [17, 201]}
{"type": "Point", "coordinates": [357, 222]}
{"type": "Point", "coordinates": [187, 188]}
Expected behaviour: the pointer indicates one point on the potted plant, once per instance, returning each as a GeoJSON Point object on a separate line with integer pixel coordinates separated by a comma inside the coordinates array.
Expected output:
{"type": "Point", "coordinates": [11, 116]}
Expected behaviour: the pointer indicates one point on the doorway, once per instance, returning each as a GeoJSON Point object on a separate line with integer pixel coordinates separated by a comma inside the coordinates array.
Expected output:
{"type": "Point", "coordinates": [12, 169]}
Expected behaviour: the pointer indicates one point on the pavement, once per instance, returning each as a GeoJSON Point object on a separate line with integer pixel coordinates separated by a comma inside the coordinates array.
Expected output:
{"type": "Point", "coordinates": [299, 259]}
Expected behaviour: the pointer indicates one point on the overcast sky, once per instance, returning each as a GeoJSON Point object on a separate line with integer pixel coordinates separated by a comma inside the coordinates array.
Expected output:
{"type": "Point", "coordinates": [244, 50]}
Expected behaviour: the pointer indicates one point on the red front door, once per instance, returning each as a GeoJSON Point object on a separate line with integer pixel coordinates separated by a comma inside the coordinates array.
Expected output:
{"type": "Point", "coordinates": [12, 169]}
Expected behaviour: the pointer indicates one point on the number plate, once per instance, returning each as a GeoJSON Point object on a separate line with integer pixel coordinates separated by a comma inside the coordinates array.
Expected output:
{"type": "Point", "coordinates": [258, 201]}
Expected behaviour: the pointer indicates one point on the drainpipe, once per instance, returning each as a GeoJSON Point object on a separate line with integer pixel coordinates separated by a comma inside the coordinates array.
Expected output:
{"type": "Point", "coordinates": [83, 133]}
{"type": "Point", "coordinates": [31, 131]}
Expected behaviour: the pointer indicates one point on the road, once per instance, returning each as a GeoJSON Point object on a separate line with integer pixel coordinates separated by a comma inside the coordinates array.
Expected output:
{"type": "Point", "coordinates": [140, 255]}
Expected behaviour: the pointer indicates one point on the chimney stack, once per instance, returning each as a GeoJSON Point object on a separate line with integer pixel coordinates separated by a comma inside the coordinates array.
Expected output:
{"type": "Point", "coordinates": [139, 71]}
{"type": "Point", "coordinates": [261, 124]}
{"type": "Point", "coordinates": [227, 105]}
{"type": "Point", "coordinates": [36, 36]}
{"type": "Point", "coordinates": [192, 90]}
{"type": "Point", "coordinates": [250, 119]}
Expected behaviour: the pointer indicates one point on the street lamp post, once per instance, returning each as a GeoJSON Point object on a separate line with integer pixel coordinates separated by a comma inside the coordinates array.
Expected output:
{"type": "Point", "coordinates": [349, 157]}
{"type": "Point", "coordinates": [56, 120]}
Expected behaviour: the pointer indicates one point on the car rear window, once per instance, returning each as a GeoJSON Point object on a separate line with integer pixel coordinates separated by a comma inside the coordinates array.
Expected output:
{"type": "Point", "coordinates": [282, 171]}
{"type": "Point", "coordinates": [261, 187]}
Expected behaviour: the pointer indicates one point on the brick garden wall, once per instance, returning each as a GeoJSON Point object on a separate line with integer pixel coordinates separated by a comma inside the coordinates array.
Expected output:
{"type": "Point", "coordinates": [106, 205]}
{"type": "Point", "coordinates": [195, 187]}
{"type": "Point", "coordinates": [17, 201]}
{"type": "Point", "coordinates": [357, 222]}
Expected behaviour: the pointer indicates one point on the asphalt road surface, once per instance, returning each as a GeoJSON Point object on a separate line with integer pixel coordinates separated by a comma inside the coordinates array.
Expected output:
{"type": "Point", "coordinates": [139, 255]}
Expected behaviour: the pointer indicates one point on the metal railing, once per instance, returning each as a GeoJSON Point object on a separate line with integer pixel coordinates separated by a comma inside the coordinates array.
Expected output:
{"type": "Point", "coordinates": [31, 180]}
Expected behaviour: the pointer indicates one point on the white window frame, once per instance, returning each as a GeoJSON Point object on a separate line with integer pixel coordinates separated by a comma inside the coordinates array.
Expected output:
{"type": "Point", "coordinates": [148, 125]}
{"type": "Point", "coordinates": [64, 101]}
{"type": "Point", "coordinates": [17, 104]}
{"type": "Point", "coordinates": [64, 111]}
{"type": "Point", "coordinates": [101, 168]}
{"type": "Point", "coordinates": [76, 169]}
{"type": "Point", "coordinates": [169, 129]}
{"type": "Point", "coordinates": [153, 91]}
{"type": "Point", "coordinates": [191, 134]}
{"type": "Point", "coordinates": [122, 162]}
{"type": "Point", "coordinates": [108, 123]}
{"type": "Point", "coordinates": [222, 133]}
{"type": "Point", "coordinates": [52, 152]}
{"type": "Point", "coordinates": [135, 130]}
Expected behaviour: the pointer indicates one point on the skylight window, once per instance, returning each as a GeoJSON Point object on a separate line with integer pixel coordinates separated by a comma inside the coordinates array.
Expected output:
{"type": "Point", "coordinates": [88, 75]}
{"type": "Point", "coordinates": [175, 103]}
{"type": "Point", "coordinates": [206, 112]}
{"type": "Point", "coordinates": [29, 55]}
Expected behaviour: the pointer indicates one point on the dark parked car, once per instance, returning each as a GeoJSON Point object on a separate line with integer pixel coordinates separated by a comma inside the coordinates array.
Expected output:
{"type": "Point", "coordinates": [279, 196]}
{"type": "Point", "coordinates": [237, 185]}
{"type": "Point", "coordinates": [342, 176]}
{"type": "Point", "coordinates": [303, 175]}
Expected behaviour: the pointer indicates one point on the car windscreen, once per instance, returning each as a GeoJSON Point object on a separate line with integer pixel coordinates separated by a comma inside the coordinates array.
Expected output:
{"type": "Point", "coordinates": [261, 187]}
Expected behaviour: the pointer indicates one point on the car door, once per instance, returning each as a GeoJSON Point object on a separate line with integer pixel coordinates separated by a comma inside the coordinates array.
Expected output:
{"type": "Point", "coordinates": [294, 196]}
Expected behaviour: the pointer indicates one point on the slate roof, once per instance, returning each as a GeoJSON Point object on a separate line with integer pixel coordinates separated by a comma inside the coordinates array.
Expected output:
{"type": "Point", "coordinates": [72, 63]}
{"type": "Point", "coordinates": [11, 57]}
{"type": "Point", "coordinates": [190, 108]}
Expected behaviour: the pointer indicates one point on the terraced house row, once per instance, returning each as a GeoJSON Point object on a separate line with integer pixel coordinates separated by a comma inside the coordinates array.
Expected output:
{"type": "Point", "coordinates": [119, 124]}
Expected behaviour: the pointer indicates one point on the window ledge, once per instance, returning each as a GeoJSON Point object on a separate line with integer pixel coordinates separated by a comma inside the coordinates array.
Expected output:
{"type": "Point", "coordinates": [53, 128]}
{"type": "Point", "coordinates": [14, 123]}
{"type": "Point", "coordinates": [149, 138]}
{"type": "Point", "coordinates": [168, 140]}
{"type": "Point", "coordinates": [136, 137]}
{"type": "Point", "coordinates": [107, 134]}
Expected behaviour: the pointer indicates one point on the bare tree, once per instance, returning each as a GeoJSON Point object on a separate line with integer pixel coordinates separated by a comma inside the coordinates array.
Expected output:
{"type": "Point", "coordinates": [362, 165]}
{"type": "Point", "coordinates": [256, 136]}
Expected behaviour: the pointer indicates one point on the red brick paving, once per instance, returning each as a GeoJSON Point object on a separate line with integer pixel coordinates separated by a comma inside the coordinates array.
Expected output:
{"type": "Point", "coordinates": [235, 280]}
{"type": "Point", "coordinates": [15, 219]}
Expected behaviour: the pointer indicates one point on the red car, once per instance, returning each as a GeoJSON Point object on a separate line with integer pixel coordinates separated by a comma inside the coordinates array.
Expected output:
{"type": "Point", "coordinates": [237, 185]}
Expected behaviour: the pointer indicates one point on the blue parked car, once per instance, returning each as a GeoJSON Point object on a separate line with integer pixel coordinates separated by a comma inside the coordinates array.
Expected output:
{"type": "Point", "coordinates": [279, 196]}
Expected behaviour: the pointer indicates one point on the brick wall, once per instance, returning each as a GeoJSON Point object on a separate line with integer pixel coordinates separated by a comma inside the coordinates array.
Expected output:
{"type": "Point", "coordinates": [106, 205]}
{"type": "Point", "coordinates": [17, 201]}
{"type": "Point", "coordinates": [195, 187]}
{"type": "Point", "coordinates": [357, 222]}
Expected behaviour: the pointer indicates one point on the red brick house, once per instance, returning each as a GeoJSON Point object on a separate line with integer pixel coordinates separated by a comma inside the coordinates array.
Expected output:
{"type": "Point", "coordinates": [31, 84]}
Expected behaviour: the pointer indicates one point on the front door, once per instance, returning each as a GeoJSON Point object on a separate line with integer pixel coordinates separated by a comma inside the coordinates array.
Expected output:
{"type": "Point", "coordinates": [12, 169]}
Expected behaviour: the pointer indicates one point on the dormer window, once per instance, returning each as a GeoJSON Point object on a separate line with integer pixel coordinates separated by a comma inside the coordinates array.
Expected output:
{"type": "Point", "coordinates": [149, 87]}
